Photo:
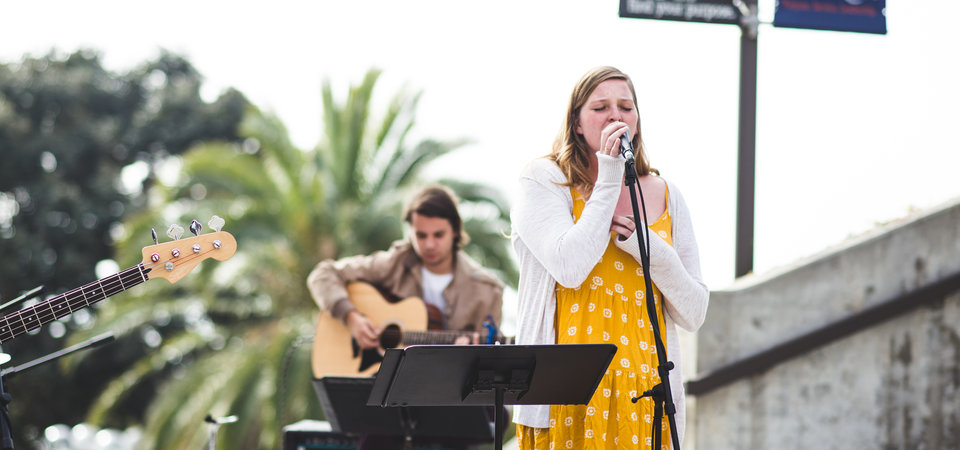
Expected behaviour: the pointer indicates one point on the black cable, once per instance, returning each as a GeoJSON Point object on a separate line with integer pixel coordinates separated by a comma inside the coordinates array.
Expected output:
{"type": "Point", "coordinates": [663, 396]}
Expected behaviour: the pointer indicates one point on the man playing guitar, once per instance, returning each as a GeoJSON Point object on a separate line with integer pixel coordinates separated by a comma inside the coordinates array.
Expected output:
{"type": "Point", "coordinates": [430, 265]}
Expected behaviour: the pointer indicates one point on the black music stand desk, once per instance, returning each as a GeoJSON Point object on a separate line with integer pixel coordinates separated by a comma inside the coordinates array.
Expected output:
{"type": "Point", "coordinates": [462, 375]}
{"type": "Point", "coordinates": [344, 402]}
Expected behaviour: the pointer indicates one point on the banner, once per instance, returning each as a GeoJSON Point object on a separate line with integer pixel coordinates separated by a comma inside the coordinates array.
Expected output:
{"type": "Point", "coordinates": [861, 16]}
{"type": "Point", "coordinates": [709, 11]}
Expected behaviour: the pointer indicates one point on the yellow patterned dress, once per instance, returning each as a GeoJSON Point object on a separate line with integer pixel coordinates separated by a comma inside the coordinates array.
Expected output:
{"type": "Point", "coordinates": [608, 307]}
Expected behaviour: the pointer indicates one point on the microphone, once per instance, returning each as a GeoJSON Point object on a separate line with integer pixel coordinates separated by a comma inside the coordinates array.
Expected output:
{"type": "Point", "coordinates": [626, 148]}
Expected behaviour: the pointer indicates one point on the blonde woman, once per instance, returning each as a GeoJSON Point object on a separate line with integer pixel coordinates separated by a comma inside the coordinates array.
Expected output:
{"type": "Point", "coordinates": [581, 279]}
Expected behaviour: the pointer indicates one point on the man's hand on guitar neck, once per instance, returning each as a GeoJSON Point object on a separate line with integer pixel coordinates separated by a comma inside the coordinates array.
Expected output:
{"type": "Point", "coordinates": [473, 339]}
{"type": "Point", "coordinates": [363, 330]}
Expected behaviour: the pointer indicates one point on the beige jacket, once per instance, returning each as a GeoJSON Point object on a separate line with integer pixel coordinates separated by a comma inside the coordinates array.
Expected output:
{"type": "Point", "coordinates": [473, 293]}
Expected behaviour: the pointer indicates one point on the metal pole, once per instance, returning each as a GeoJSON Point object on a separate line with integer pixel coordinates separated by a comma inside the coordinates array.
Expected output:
{"type": "Point", "coordinates": [747, 138]}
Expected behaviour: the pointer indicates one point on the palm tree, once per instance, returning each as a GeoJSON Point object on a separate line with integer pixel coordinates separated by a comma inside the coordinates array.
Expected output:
{"type": "Point", "coordinates": [224, 341]}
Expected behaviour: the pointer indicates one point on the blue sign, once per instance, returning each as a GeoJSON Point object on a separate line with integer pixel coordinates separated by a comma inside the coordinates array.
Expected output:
{"type": "Point", "coordinates": [861, 16]}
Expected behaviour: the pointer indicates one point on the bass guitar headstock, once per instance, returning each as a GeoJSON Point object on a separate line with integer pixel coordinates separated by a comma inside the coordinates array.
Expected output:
{"type": "Point", "coordinates": [173, 260]}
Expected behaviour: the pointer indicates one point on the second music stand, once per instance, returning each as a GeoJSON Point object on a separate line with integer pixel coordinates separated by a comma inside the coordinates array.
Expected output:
{"type": "Point", "coordinates": [461, 375]}
{"type": "Point", "coordinates": [344, 402]}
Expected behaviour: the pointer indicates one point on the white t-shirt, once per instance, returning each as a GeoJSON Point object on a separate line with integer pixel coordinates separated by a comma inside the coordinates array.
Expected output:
{"type": "Point", "coordinates": [433, 286]}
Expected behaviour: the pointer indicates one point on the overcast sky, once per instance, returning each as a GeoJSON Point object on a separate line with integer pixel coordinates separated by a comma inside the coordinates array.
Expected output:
{"type": "Point", "coordinates": [853, 129]}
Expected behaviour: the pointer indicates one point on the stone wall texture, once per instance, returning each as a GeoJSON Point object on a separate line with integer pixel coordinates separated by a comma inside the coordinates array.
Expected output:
{"type": "Point", "coordinates": [893, 385]}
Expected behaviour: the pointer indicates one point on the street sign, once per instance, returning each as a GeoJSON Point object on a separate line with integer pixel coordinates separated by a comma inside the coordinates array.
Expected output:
{"type": "Point", "coordinates": [864, 16]}
{"type": "Point", "coordinates": [706, 11]}
{"type": "Point", "coordinates": [861, 16]}
{"type": "Point", "coordinates": [742, 13]}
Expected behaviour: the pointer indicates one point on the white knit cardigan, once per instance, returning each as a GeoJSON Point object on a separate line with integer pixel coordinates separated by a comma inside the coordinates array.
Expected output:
{"type": "Point", "coordinates": [552, 249]}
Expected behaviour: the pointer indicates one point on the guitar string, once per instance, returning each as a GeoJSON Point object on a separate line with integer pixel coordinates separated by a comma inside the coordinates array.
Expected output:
{"type": "Point", "coordinates": [76, 302]}
{"type": "Point", "coordinates": [35, 316]}
{"type": "Point", "coordinates": [433, 337]}
{"type": "Point", "coordinates": [134, 276]}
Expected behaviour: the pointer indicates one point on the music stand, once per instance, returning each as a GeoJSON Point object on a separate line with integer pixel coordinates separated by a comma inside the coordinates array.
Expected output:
{"type": "Point", "coordinates": [344, 402]}
{"type": "Point", "coordinates": [460, 375]}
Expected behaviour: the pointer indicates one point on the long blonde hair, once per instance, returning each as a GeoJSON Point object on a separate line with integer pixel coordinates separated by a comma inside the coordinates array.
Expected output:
{"type": "Point", "coordinates": [570, 149]}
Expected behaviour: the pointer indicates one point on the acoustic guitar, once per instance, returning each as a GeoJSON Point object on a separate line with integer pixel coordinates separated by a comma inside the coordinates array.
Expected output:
{"type": "Point", "coordinates": [170, 260]}
{"type": "Point", "coordinates": [402, 323]}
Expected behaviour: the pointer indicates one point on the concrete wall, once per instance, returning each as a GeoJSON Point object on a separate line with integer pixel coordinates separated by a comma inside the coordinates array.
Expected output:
{"type": "Point", "coordinates": [894, 385]}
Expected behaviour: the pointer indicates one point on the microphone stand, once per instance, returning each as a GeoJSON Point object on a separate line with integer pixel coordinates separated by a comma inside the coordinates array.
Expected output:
{"type": "Point", "coordinates": [6, 438]}
{"type": "Point", "coordinates": [214, 426]}
{"type": "Point", "coordinates": [29, 294]}
{"type": "Point", "coordinates": [661, 393]}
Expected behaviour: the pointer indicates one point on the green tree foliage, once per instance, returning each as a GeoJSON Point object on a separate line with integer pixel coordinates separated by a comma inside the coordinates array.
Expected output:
{"type": "Point", "coordinates": [69, 129]}
{"type": "Point", "coordinates": [231, 333]}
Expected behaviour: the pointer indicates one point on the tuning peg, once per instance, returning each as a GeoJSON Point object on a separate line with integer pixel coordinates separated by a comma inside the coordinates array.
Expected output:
{"type": "Point", "coordinates": [153, 231]}
{"type": "Point", "coordinates": [216, 223]}
{"type": "Point", "coordinates": [195, 227]}
{"type": "Point", "coordinates": [174, 231]}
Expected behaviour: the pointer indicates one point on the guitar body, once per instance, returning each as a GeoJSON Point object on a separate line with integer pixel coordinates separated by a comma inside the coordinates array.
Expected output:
{"type": "Point", "coordinates": [334, 351]}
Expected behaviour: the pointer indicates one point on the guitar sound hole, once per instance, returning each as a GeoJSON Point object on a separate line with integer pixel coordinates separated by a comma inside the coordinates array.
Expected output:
{"type": "Point", "coordinates": [391, 337]}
